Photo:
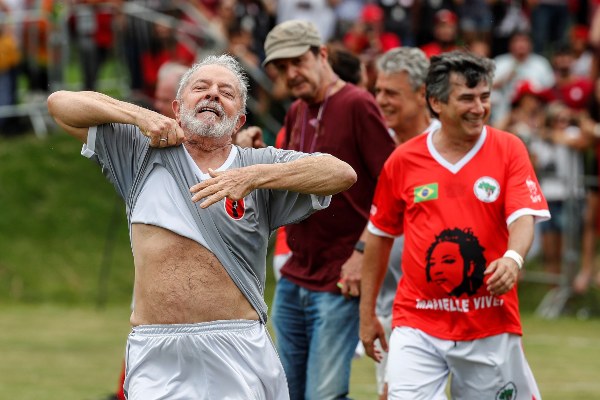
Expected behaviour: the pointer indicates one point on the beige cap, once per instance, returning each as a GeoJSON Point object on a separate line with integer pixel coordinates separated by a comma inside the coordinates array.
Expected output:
{"type": "Point", "coordinates": [290, 39]}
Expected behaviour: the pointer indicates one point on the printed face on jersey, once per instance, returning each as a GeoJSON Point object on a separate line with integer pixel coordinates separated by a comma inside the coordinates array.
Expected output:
{"type": "Point", "coordinates": [446, 265]}
{"type": "Point", "coordinates": [455, 262]}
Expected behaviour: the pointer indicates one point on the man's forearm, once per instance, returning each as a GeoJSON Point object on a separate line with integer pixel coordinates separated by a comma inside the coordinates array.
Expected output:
{"type": "Point", "coordinates": [520, 234]}
{"type": "Point", "coordinates": [375, 259]}
{"type": "Point", "coordinates": [322, 175]}
{"type": "Point", "coordinates": [85, 109]}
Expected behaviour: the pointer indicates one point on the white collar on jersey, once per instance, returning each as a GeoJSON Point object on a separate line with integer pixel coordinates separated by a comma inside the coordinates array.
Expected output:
{"type": "Point", "coordinates": [454, 168]}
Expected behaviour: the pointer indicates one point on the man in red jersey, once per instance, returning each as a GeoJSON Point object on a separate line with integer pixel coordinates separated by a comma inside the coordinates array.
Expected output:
{"type": "Point", "coordinates": [315, 321]}
{"type": "Point", "coordinates": [466, 198]}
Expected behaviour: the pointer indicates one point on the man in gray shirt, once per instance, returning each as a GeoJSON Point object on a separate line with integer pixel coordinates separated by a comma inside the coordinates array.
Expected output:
{"type": "Point", "coordinates": [200, 212]}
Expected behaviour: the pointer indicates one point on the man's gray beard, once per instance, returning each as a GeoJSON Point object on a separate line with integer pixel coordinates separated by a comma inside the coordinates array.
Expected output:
{"type": "Point", "coordinates": [197, 127]}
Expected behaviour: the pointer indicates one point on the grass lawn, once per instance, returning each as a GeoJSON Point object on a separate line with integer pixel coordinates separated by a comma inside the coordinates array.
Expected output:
{"type": "Point", "coordinates": [74, 353]}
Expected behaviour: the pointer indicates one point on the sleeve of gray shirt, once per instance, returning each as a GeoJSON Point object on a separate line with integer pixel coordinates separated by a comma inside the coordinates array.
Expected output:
{"type": "Point", "coordinates": [119, 149]}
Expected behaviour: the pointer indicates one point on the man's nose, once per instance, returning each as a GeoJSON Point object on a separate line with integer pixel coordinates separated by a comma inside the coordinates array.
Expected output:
{"type": "Point", "coordinates": [212, 93]}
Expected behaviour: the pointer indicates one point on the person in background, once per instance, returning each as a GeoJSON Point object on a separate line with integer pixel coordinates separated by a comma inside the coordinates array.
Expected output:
{"type": "Point", "coordinates": [589, 274]}
{"type": "Point", "coordinates": [466, 198]}
{"type": "Point", "coordinates": [445, 34]}
{"type": "Point", "coordinates": [400, 94]}
{"type": "Point", "coordinates": [315, 309]}
{"type": "Point", "coordinates": [189, 191]}
{"type": "Point", "coordinates": [519, 64]}
{"type": "Point", "coordinates": [10, 57]}
{"type": "Point", "coordinates": [557, 160]}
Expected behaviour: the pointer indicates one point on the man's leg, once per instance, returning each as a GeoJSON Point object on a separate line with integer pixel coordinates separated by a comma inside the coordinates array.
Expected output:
{"type": "Point", "coordinates": [333, 330]}
{"type": "Point", "coordinates": [492, 368]}
{"type": "Point", "coordinates": [416, 367]}
{"type": "Point", "coordinates": [291, 337]}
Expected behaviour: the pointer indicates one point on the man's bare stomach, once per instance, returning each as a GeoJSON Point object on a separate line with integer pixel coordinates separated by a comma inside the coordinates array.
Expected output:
{"type": "Point", "coordinates": [178, 281]}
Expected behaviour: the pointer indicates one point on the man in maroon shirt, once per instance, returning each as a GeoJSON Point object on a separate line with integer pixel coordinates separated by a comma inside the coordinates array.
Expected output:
{"type": "Point", "coordinates": [315, 310]}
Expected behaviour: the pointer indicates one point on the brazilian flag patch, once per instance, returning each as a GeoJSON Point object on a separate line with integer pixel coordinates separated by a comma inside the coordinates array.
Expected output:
{"type": "Point", "coordinates": [426, 192]}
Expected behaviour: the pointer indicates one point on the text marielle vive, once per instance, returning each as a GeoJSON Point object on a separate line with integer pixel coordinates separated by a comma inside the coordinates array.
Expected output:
{"type": "Point", "coordinates": [459, 305]}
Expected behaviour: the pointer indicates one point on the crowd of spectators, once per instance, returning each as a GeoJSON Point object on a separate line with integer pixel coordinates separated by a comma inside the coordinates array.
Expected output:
{"type": "Point", "coordinates": [546, 54]}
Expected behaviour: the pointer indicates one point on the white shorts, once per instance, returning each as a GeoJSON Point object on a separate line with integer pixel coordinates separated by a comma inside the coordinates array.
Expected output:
{"type": "Point", "coordinates": [490, 368]}
{"type": "Point", "coordinates": [205, 361]}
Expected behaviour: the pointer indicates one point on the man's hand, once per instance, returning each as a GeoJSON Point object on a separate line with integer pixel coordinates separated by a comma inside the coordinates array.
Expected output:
{"type": "Point", "coordinates": [370, 331]}
{"type": "Point", "coordinates": [250, 137]}
{"type": "Point", "coordinates": [162, 131]}
{"type": "Point", "coordinates": [350, 275]}
{"type": "Point", "coordinates": [234, 184]}
{"type": "Point", "coordinates": [504, 274]}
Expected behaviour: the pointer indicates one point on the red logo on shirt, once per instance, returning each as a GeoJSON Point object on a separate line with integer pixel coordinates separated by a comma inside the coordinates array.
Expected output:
{"type": "Point", "coordinates": [235, 208]}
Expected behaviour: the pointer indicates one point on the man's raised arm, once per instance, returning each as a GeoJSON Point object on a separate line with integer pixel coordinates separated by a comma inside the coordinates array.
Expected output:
{"type": "Point", "coordinates": [321, 175]}
{"type": "Point", "coordinates": [75, 112]}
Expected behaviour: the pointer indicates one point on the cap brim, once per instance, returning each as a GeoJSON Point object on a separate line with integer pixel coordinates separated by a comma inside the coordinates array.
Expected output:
{"type": "Point", "coordinates": [286, 52]}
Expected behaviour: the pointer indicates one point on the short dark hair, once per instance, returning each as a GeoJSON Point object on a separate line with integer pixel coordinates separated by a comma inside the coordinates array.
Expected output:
{"type": "Point", "coordinates": [473, 68]}
{"type": "Point", "coordinates": [345, 64]}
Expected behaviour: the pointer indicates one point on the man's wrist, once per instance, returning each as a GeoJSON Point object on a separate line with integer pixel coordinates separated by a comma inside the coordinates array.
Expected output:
{"type": "Point", "coordinates": [516, 257]}
{"type": "Point", "coordinates": [360, 246]}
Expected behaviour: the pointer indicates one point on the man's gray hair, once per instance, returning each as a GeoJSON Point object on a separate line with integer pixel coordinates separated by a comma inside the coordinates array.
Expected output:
{"type": "Point", "coordinates": [405, 59]}
{"type": "Point", "coordinates": [224, 60]}
{"type": "Point", "coordinates": [474, 69]}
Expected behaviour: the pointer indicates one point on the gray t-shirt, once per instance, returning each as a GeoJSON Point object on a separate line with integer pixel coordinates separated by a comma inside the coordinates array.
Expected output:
{"type": "Point", "coordinates": [236, 232]}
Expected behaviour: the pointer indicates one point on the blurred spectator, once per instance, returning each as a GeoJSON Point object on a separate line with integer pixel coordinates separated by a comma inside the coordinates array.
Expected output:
{"type": "Point", "coordinates": [94, 36]}
{"type": "Point", "coordinates": [558, 163]}
{"type": "Point", "coordinates": [240, 42]}
{"type": "Point", "coordinates": [549, 23]}
{"type": "Point", "coordinates": [400, 18]}
{"type": "Point", "coordinates": [35, 49]}
{"type": "Point", "coordinates": [582, 65]}
{"type": "Point", "coordinates": [590, 125]}
{"type": "Point", "coordinates": [480, 47]}
{"type": "Point", "coordinates": [169, 75]}
{"type": "Point", "coordinates": [527, 113]}
{"type": "Point", "coordinates": [255, 17]}
{"type": "Point", "coordinates": [519, 64]}
{"type": "Point", "coordinates": [347, 12]}
{"type": "Point", "coordinates": [445, 34]}
{"type": "Point", "coordinates": [475, 18]}
{"type": "Point", "coordinates": [9, 60]}
{"type": "Point", "coordinates": [367, 39]}
{"type": "Point", "coordinates": [319, 12]}
{"type": "Point", "coordinates": [425, 12]}
{"type": "Point", "coordinates": [574, 91]}
{"type": "Point", "coordinates": [508, 18]}
{"type": "Point", "coordinates": [367, 36]}
{"type": "Point", "coordinates": [163, 47]}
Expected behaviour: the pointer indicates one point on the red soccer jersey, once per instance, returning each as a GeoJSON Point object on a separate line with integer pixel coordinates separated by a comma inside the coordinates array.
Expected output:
{"type": "Point", "coordinates": [455, 222]}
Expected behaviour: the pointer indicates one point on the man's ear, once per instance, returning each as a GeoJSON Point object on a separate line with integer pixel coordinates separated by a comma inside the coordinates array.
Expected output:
{"type": "Point", "coordinates": [240, 122]}
{"type": "Point", "coordinates": [435, 104]}
{"type": "Point", "coordinates": [175, 105]}
{"type": "Point", "coordinates": [324, 53]}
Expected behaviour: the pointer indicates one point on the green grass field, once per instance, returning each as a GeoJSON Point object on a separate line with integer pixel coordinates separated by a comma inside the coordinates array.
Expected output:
{"type": "Point", "coordinates": [74, 353]}
{"type": "Point", "coordinates": [66, 280]}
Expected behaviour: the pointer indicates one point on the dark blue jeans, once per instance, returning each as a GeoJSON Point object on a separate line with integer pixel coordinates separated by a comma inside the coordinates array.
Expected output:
{"type": "Point", "coordinates": [316, 335]}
